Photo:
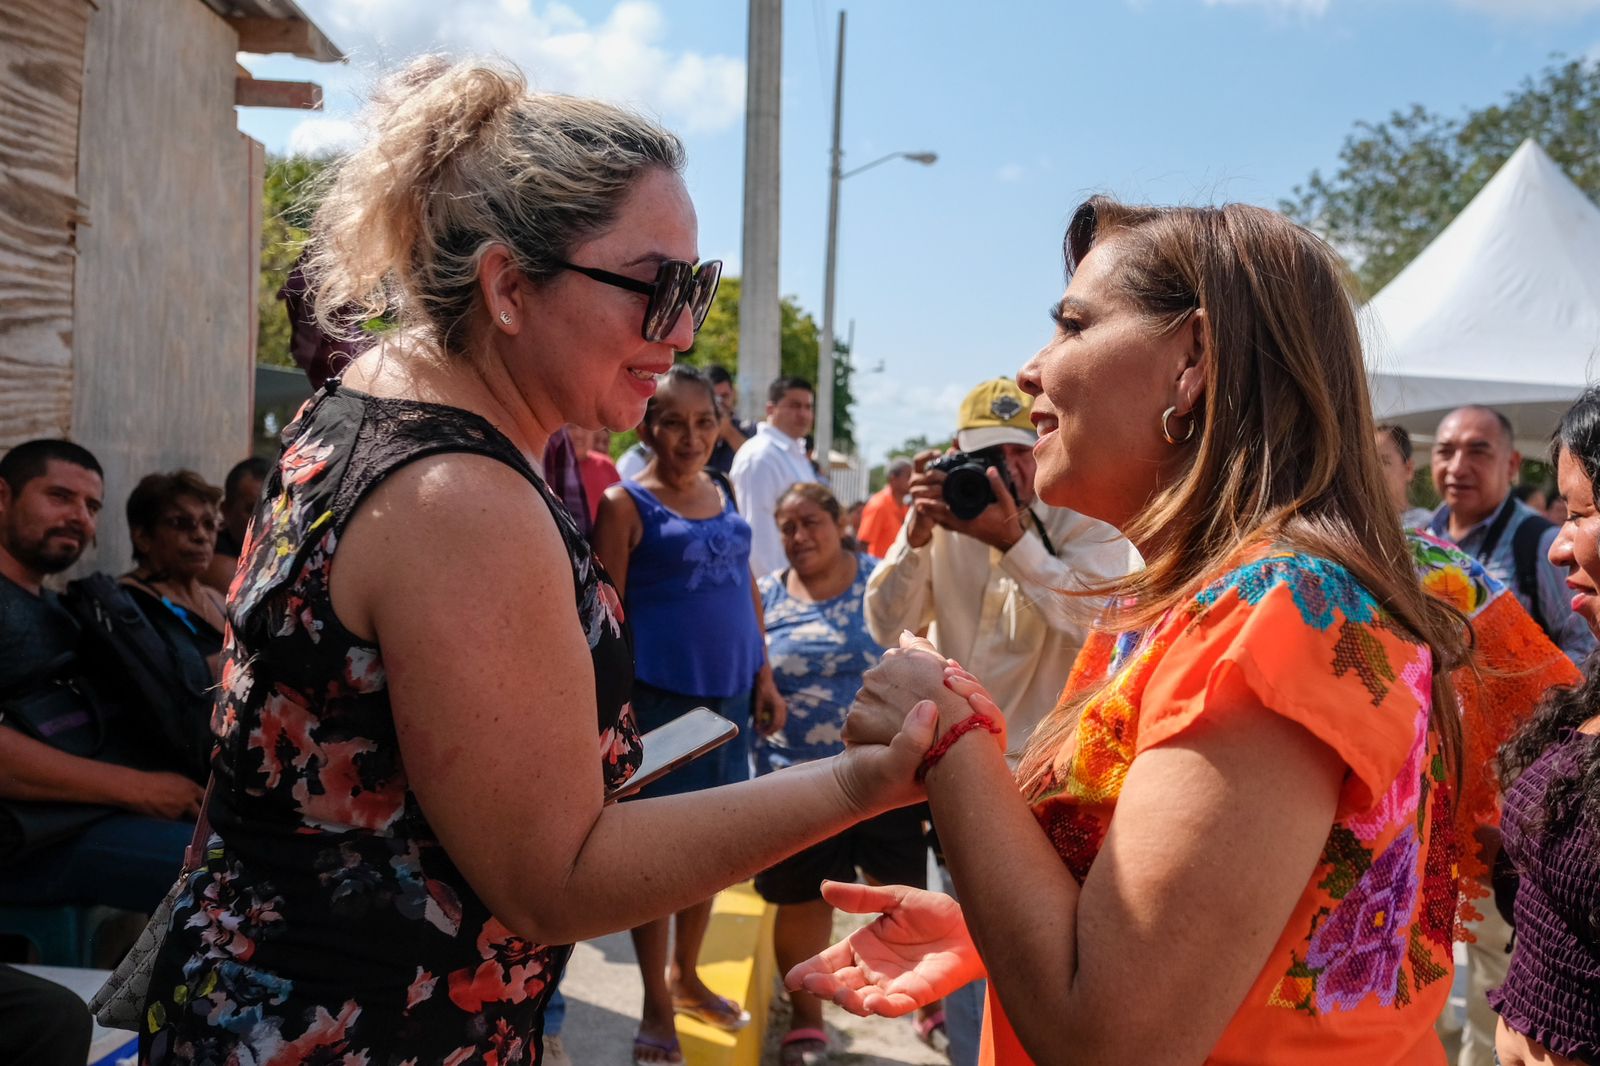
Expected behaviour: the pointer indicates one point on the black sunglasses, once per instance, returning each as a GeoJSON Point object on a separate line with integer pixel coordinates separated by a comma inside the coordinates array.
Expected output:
{"type": "Point", "coordinates": [678, 285]}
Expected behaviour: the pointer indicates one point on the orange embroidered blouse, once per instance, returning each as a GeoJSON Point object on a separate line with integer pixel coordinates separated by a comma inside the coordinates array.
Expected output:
{"type": "Point", "coordinates": [1362, 968]}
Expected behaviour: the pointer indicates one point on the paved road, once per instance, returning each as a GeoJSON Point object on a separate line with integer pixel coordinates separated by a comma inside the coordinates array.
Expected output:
{"type": "Point", "coordinates": [604, 995]}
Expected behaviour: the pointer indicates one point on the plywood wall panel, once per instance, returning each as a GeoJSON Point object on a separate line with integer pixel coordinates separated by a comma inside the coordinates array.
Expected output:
{"type": "Point", "coordinates": [163, 323]}
{"type": "Point", "coordinates": [42, 44]}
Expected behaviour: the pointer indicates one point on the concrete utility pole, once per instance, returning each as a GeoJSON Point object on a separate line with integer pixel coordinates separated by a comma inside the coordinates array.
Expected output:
{"type": "Point", "coordinates": [759, 318]}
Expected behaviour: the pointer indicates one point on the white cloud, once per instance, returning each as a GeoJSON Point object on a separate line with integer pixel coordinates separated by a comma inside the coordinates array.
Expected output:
{"type": "Point", "coordinates": [620, 58]}
{"type": "Point", "coordinates": [889, 410]}
{"type": "Point", "coordinates": [323, 135]}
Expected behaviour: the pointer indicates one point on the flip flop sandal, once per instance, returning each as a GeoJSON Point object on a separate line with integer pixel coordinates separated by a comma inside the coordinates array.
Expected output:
{"type": "Point", "coordinates": [931, 1031]}
{"type": "Point", "coordinates": [670, 1048]}
{"type": "Point", "coordinates": [804, 1047]}
{"type": "Point", "coordinates": [721, 1013]}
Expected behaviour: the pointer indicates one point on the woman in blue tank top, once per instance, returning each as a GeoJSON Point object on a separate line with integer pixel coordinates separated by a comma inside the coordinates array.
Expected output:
{"type": "Point", "coordinates": [679, 554]}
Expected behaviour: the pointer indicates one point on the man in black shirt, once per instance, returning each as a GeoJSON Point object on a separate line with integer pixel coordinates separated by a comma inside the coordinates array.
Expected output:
{"type": "Point", "coordinates": [731, 433]}
{"type": "Point", "coordinates": [74, 827]}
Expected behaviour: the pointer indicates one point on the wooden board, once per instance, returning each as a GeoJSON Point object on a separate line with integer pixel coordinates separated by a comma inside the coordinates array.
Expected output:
{"type": "Point", "coordinates": [41, 84]}
{"type": "Point", "coordinates": [261, 92]}
{"type": "Point", "coordinates": [296, 36]}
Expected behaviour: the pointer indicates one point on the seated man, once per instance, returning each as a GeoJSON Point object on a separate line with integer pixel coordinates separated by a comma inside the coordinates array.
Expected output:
{"type": "Point", "coordinates": [41, 1023]}
{"type": "Point", "coordinates": [90, 808]}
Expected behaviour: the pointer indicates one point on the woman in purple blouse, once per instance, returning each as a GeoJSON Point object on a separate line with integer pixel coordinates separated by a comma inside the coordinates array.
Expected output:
{"type": "Point", "coordinates": [1549, 1006]}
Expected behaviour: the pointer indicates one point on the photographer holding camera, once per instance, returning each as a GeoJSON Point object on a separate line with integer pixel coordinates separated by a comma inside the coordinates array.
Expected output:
{"type": "Point", "coordinates": [983, 564]}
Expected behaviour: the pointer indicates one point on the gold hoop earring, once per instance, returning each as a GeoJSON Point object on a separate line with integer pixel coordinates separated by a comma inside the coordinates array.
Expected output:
{"type": "Point", "coordinates": [1166, 434]}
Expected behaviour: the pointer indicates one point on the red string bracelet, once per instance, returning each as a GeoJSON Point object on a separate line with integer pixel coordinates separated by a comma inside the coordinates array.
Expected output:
{"type": "Point", "coordinates": [972, 721]}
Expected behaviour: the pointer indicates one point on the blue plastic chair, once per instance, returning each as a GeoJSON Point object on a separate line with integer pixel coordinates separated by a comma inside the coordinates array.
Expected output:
{"type": "Point", "coordinates": [62, 935]}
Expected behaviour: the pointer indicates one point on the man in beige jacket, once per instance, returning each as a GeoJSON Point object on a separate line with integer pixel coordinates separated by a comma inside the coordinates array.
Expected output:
{"type": "Point", "coordinates": [994, 590]}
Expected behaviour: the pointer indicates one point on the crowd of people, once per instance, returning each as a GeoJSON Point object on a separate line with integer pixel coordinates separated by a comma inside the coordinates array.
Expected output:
{"type": "Point", "coordinates": [1219, 743]}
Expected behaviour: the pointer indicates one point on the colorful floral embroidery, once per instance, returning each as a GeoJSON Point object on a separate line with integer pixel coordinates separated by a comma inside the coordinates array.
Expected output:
{"type": "Point", "coordinates": [1516, 664]}
{"type": "Point", "coordinates": [1319, 588]}
{"type": "Point", "coordinates": [1371, 931]}
{"type": "Point", "coordinates": [1358, 949]}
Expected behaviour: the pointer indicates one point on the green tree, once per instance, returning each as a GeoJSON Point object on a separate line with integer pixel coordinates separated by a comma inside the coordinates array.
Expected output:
{"type": "Point", "coordinates": [799, 344]}
{"type": "Point", "coordinates": [920, 443]}
{"type": "Point", "coordinates": [1400, 181]}
{"type": "Point", "coordinates": [287, 204]}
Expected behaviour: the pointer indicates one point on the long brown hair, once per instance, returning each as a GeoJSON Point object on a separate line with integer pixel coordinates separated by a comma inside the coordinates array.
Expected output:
{"type": "Point", "coordinates": [1283, 449]}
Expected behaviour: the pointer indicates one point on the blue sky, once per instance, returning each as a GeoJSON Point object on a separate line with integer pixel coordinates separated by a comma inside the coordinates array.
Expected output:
{"type": "Point", "coordinates": [947, 270]}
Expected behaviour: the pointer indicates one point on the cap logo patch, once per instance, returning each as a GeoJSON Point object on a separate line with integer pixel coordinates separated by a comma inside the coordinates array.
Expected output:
{"type": "Point", "coordinates": [1005, 408]}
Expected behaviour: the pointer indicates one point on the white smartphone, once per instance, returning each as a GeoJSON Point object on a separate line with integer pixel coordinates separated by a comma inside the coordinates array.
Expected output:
{"type": "Point", "coordinates": [668, 747]}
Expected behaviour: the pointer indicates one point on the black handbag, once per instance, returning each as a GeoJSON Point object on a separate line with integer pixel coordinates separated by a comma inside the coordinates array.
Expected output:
{"type": "Point", "coordinates": [54, 706]}
{"type": "Point", "coordinates": [166, 687]}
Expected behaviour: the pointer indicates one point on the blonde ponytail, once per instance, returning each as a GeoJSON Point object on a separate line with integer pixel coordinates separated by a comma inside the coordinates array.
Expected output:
{"type": "Point", "coordinates": [460, 157]}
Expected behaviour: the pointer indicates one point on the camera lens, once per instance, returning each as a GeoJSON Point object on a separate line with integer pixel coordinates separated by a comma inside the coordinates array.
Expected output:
{"type": "Point", "coordinates": [967, 491]}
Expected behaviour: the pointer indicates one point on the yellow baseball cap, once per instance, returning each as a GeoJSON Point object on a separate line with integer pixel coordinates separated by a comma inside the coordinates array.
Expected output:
{"type": "Point", "coordinates": [995, 412]}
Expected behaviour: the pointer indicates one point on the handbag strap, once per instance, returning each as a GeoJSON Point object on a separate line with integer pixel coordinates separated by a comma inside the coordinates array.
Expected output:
{"type": "Point", "coordinates": [196, 850]}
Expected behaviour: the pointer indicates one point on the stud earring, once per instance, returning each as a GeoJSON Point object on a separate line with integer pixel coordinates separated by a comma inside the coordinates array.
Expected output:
{"type": "Point", "coordinates": [505, 317]}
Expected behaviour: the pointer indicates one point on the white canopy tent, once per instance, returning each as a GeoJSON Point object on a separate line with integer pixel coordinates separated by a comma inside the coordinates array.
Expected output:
{"type": "Point", "coordinates": [1503, 308]}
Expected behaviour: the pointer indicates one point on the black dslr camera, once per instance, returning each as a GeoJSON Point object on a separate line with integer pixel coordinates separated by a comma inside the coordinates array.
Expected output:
{"type": "Point", "coordinates": [966, 479]}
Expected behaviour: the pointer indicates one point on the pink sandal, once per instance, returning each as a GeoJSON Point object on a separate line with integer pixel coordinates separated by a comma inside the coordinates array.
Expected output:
{"type": "Point", "coordinates": [931, 1031]}
{"type": "Point", "coordinates": [804, 1047]}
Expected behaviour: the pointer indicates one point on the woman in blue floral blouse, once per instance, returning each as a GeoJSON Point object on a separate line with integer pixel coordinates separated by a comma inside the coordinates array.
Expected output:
{"type": "Point", "coordinates": [819, 646]}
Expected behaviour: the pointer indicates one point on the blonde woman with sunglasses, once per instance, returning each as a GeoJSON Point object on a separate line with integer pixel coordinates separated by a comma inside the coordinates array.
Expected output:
{"type": "Point", "coordinates": [426, 680]}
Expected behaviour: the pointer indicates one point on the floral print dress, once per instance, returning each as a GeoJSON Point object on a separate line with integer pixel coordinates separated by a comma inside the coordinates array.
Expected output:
{"type": "Point", "coordinates": [327, 924]}
{"type": "Point", "coordinates": [1362, 968]}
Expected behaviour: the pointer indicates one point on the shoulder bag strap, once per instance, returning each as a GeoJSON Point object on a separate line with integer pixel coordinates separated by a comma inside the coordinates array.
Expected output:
{"type": "Point", "coordinates": [1497, 529]}
{"type": "Point", "coordinates": [195, 854]}
{"type": "Point", "coordinates": [1525, 557]}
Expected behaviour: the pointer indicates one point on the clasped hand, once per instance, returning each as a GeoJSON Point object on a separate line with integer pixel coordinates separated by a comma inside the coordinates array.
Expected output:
{"type": "Point", "coordinates": [906, 677]}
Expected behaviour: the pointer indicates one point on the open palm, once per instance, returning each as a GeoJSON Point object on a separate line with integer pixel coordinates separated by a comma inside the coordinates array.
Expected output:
{"type": "Point", "coordinates": [916, 952]}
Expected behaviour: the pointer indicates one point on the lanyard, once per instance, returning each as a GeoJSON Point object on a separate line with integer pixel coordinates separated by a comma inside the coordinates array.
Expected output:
{"type": "Point", "coordinates": [1038, 527]}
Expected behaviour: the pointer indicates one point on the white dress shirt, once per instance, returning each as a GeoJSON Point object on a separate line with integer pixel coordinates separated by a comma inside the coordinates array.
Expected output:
{"type": "Point", "coordinates": [763, 470]}
{"type": "Point", "coordinates": [1005, 616]}
{"type": "Point", "coordinates": [633, 462]}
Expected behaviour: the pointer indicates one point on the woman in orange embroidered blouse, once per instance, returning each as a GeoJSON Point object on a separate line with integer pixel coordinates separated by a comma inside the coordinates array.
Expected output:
{"type": "Point", "coordinates": [1234, 841]}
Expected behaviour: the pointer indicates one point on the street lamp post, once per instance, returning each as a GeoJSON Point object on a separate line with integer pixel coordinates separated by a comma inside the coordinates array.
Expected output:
{"type": "Point", "coordinates": [824, 412]}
